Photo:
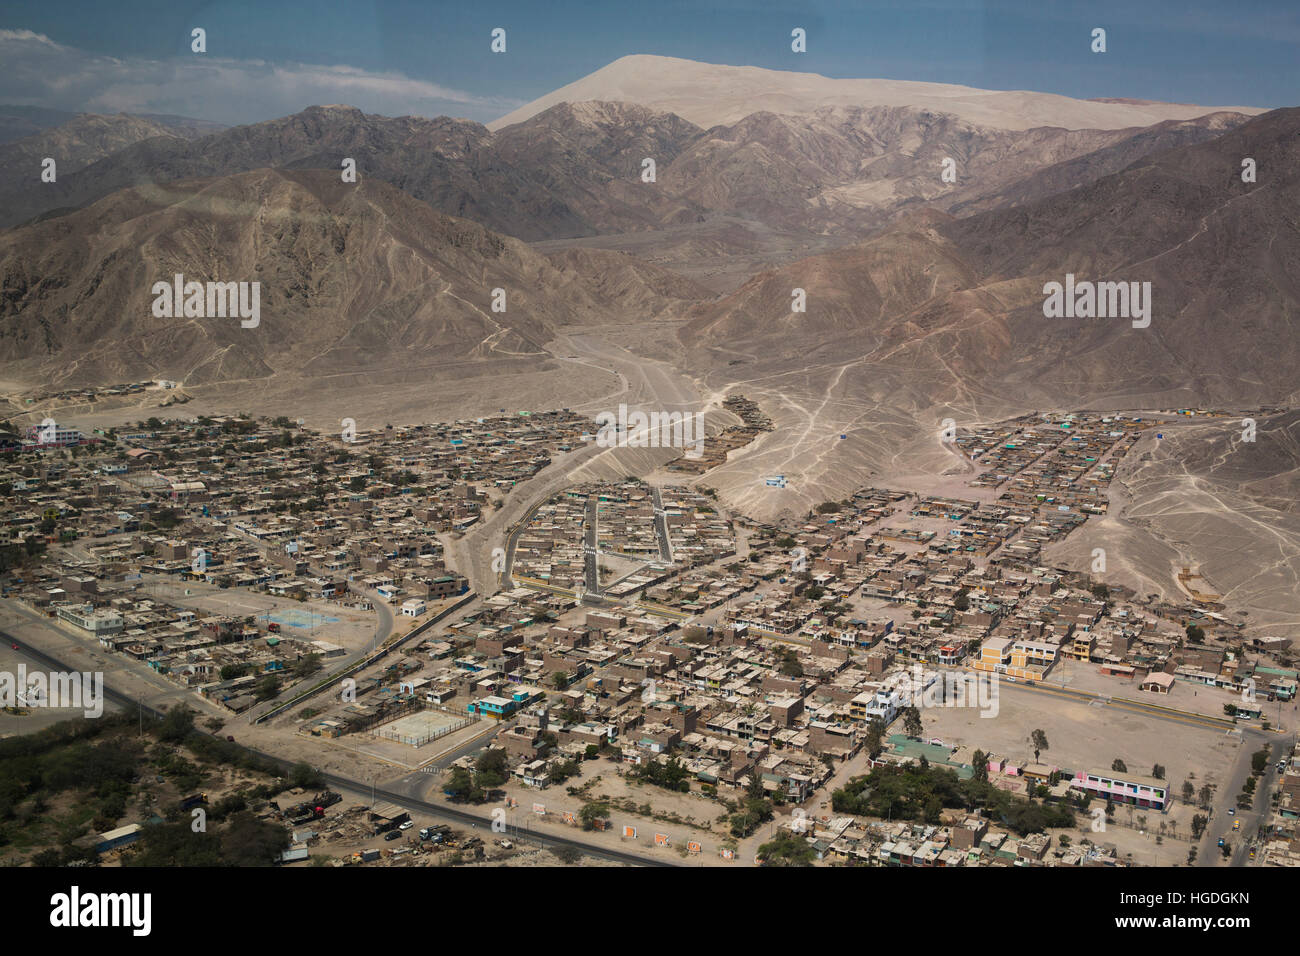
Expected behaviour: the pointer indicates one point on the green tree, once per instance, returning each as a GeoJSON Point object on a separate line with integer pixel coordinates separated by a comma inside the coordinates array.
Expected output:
{"type": "Point", "coordinates": [786, 849]}
{"type": "Point", "coordinates": [460, 786]}
{"type": "Point", "coordinates": [592, 812]}
{"type": "Point", "coordinates": [177, 725]}
{"type": "Point", "coordinates": [266, 687]}
{"type": "Point", "coordinates": [490, 768]}
{"type": "Point", "coordinates": [790, 666]}
{"type": "Point", "coordinates": [307, 665]}
{"type": "Point", "coordinates": [1039, 740]}
{"type": "Point", "coordinates": [875, 736]}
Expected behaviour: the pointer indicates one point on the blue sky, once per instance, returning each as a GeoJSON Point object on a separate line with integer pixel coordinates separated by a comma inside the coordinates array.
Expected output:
{"type": "Point", "coordinates": [267, 59]}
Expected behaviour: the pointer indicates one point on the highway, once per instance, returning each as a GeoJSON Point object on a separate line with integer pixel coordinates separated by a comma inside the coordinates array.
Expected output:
{"type": "Point", "coordinates": [404, 800]}
{"type": "Point", "coordinates": [590, 552]}
{"type": "Point", "coordinates": [661, 525]}
{"type": "Point", "coordinates": [1208, 852]}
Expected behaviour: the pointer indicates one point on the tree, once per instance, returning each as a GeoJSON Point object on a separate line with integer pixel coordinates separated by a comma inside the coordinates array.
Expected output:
{"type": "Point", "coordinates": [790, 666]}
{"type": "Point", "coordinates": [304, 775]}
{"type": "Point", "coordinates": [912, 725]}
{"type": "Point", "coordinates": [460, 786]}
{"type": "Point", "coordinates": [1158, 772]}
{"type": "Point", "coordinates": [491, 768]}
{"type": "Point", "coordinates": [786, 849]}
{"type": "Point", "coordinates": [1195, 634]}
{"type": "Point", "coordinates": [1189, 791]}
{"type": "Point", "coordinates": [567, 853]}
{"type": "Point", "coordinates": [307, 665]}
{"type": "Point", "coordinates": [1119, 766]}
{"type": "Point", "coordinates": [560, 679]}
{"type": "Point", "coordinates": [177, 725]}
{"type": "Point", "coordinates": [591, 813]}
{"type": "Point", "coordinates": [875, 736]}
{"type": "Point", "coordinates": [980, 762]}
{"type": "Point", "coordinates": [1039, 740]}
{"type": "Point", "coordinates": [267, 687]}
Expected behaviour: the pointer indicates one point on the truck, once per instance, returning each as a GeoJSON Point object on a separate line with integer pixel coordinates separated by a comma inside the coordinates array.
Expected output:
{"type": "Point", "coordinates": [435, 834]}
{"type": "Point", "coordinates": [314, 808]}
{"type": "Point", "coordinates": [194, 800]}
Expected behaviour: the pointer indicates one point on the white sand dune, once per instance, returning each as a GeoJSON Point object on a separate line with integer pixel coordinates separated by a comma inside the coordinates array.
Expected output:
{"type": "Point", "coordinates": [710, 94]}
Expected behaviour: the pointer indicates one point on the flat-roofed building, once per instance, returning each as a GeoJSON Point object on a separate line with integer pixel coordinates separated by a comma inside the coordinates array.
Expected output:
{"type": "Point", "coordinates": [1127, 788]}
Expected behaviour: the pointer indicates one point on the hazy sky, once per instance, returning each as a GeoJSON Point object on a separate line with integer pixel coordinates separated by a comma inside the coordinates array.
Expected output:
{"type": "Point", "coordinates": [267, 59]}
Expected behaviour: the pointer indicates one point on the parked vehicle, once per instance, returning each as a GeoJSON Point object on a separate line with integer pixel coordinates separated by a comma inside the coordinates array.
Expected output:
{"type": "Point", "coordinates": [393, 835]}
{"type": "Point", "coordinates": [407, 825]}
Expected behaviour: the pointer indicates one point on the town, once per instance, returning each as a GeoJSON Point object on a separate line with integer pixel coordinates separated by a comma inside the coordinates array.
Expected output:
{"type": "Point", "coordinates": [896, 679]}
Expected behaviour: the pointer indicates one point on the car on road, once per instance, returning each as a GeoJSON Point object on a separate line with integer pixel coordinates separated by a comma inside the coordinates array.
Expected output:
{"type": "Point", "coordinates": [392, 835]}
{"type": "Point", "coordinates": [1231, 812]}
{"type": "Point", "coordinates": [1236, 824]}
{"type": "Point", "coordinates": [14, 646]}
{"type": "Point", "coordinates": [407, 825]}
{"type": "Point", "coordinates": [230, 737]}
{"type": "Point", "coordinates": [1220, 843]}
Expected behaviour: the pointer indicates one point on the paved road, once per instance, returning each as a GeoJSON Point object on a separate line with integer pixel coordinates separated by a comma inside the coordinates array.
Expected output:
{"type": "Point", "coordinates": [1157, 711]}
{"type": "Point", "coordinates": [402, 799]}
{"type": "Point", "coordinates": [661, 525]}
{"type": "Point", "coordinates": [1208, 852]}
{"type": "Point", "coordinates": [590, 539]}
{"type": "Point", "coordinates": [656, 384]}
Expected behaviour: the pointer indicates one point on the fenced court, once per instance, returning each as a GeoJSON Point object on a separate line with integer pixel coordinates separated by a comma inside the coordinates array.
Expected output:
{"type": "Point", "coordinates": [417, 729]}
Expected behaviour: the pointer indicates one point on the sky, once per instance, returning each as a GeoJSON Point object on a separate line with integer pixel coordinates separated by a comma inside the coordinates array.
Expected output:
{"type": "Point", "coordinates": [266, 58]}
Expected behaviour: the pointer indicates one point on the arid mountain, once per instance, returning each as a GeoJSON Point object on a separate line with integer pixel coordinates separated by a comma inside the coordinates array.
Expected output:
{"type": "Point", "coordinates": [448, 163]}
{"type": "Point", "coordinates": [710, 94]}
{"type": "Point", "coordinates": [849, 169]}
{"type": "Point", "coordinates": [77, 143]}
{"type": "Point", "coordinates": [575, 170]}
{"type": "Point", "coordinates": [19, 121]}
{"type": "Point", "coordinates": [352, 277]}
{"type": "Point", "coordinates": [958, 303]}
{"type": "Point", "coordinates": [1066, 174]}
{"type": "Point", "coordinates": [589, 156]}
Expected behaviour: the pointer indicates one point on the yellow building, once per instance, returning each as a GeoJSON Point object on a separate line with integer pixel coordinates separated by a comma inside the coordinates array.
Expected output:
{"type": "Point", "coordinates": [1023, 660]}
